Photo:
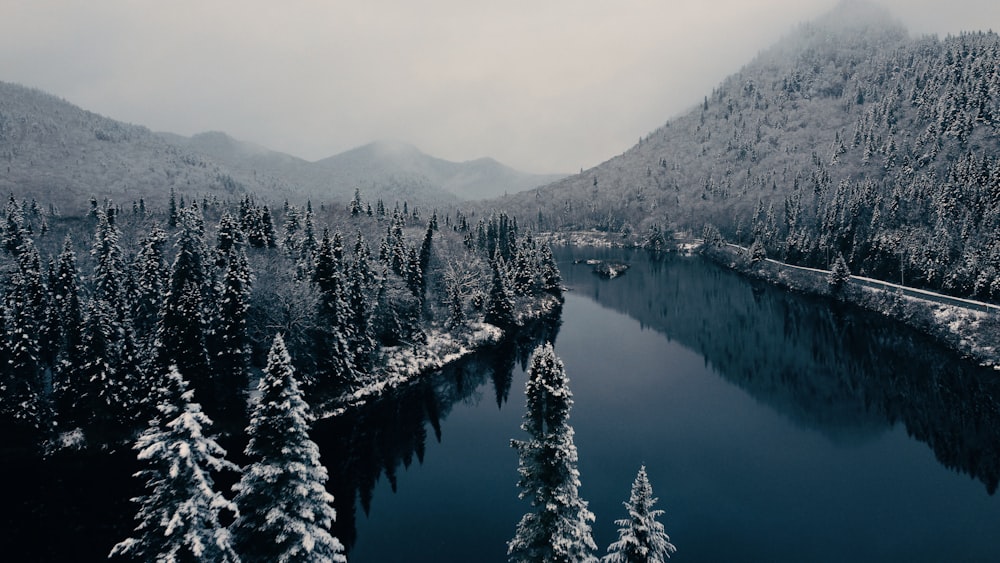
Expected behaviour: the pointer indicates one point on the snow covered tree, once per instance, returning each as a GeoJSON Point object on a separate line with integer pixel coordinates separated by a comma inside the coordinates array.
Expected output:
{"type": "Point", "coordinates": [23, 397]}
{"type": "Point", "coordinates": [15, 231]}
{"type": "Point", "coordinates": [334, 359]}
{"type": "Point", "coordinates": [98, 398]}
{"type": "Point", "coordinates": [549, 271]}
{"type": "Point", "coordinates": [66, 297]}
{"type": "Point", "coordinates": [641, 537]}
{"type": "Point", "coordinates": [757, 251]}
{"type": "Point", "coordinates": [172, 211]}
{"type": "Point", "coordinates": [179, 514]}
{"type": "Point", "coordinates": [500, 306]}
{"type": "Point", "coordinates": [558, 527]}
{"type": "Point", "coordinates": [181, 332]}
{"type": "Point", "coordinates": [355, 207]}
{"type": "Point", "coordinates": [231, 360]}
{"type": "Point", "coordinates": [307, 248]}
{"type": "Point", "coordinates": [228, 235]}
{"type": "Point", "coordinates": [290, 241]}
{"type": "Point", "coordinates": [285, 509]}
{"type": "Point", "coordinates": [359, 303]}
{"type": "Point", "coordinates": [151, 278]}
{"type": "Point", "coordinates": [840, 274]}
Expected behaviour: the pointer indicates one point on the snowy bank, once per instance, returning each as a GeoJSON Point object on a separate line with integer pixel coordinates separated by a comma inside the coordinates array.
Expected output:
{"type": "Point", "coordinates": [968, 327]}
{"type": "Point", "coordinates": [400, 365]}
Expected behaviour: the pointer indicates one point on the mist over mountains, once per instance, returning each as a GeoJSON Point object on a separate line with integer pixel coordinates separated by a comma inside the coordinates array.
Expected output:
{"type": "Point", "coordinates": [56, 152]}
{"type": "Point", "coordinates": [848, 137]}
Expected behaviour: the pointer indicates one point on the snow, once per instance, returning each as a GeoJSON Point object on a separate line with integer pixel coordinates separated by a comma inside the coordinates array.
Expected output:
{"type": "Point", "coordinates": [402, 364]}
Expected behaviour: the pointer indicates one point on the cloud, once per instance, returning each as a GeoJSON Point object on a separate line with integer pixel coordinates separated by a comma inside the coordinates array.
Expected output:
{"type": "Point", "coordinates": [544, 86]}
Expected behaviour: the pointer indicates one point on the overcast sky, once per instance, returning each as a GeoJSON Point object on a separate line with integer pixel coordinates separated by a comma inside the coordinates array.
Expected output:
{"type": "Point", "coordinates": [541, 85]}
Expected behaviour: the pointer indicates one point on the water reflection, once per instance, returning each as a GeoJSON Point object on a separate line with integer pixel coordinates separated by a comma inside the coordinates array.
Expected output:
{"type": "Point", "coordinates": [380, 438]}
{"type": "Point", "coordinates": [848, 374]}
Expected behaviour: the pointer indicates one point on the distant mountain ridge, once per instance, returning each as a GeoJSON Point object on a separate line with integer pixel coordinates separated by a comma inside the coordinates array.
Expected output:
{"type": "Point", "coordinates": [379, 167]}
{"type": "Point", "coordinates": [57, 152]}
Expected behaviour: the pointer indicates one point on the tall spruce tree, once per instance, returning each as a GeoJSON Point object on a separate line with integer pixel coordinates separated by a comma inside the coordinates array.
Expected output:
{"type": "Point", "coordinates": [182, 327]}
{"type": "Point", "coordinates": [179, 514]}
{"type": "Point", "coordinates": [151, 278]}
{"type": "Point", "coordinates": [66, 296]}
{"type": "Point", "coordinates": [499, 304]}
{"type": "Point", "coordinates": [111, 296]}
{"type": "Point", "coordinates": [360, 286]}
{"type": "Point", "coordinates": [285, 509]}
{"type": "Point", "coordinates": [558, 527]}
{"type": "Point", "coordinates": [334, 360]}
{"type": "Point", "coordinates": [23, 396]}
{"type": "Point", "coordinates": [231, 361]}
{"type": "Point", "coordinates": [641, 537]}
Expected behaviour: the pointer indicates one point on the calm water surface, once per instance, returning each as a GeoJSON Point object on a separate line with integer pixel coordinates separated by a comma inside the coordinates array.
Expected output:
{"type": "Point", "coordinates": [773, 427]}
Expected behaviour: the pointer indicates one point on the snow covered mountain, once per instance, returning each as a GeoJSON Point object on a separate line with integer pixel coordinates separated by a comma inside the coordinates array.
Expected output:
{"type": "Point", "coordinates": [56, 152]}
{"type": "Point", "coordinates": [387, 169]}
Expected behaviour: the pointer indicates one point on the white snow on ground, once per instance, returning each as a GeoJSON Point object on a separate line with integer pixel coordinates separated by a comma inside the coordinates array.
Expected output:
{"type": "Point", "coordinates": [402, 364]}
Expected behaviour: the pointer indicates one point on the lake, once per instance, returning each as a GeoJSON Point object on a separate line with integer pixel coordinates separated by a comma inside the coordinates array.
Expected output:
{"type": "Point", "coordinates": [774, 427]}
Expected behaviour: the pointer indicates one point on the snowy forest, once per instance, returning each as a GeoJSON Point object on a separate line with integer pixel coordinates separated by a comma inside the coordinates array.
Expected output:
{"type": "Point", "coordinates": [847, 137]}
{"type": "Point", "coordinates": [172, 331]}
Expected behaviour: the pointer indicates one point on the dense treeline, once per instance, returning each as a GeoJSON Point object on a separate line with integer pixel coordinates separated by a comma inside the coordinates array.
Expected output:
{"type": "Point", "coordinates": [96, 309]}
{"type": "Point", "coordinates": [848, 137]}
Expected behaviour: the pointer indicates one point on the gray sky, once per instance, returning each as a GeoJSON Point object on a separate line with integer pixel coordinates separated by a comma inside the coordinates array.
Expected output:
{"type": "Point", "coordinates": [541, 85]}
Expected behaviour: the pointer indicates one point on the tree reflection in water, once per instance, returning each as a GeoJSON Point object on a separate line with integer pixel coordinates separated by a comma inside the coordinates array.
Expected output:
{"type": "Point", "coordinates": [375, 440]}
{"type": "Point", "coordinates": [847, 373]}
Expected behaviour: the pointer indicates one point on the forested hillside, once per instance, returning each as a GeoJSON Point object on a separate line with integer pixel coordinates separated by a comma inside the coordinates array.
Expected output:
{"type": "Point", "coordinates": [847, 137]}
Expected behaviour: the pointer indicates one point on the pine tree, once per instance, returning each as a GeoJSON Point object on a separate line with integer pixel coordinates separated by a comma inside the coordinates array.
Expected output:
{"type": "Point", "coordinates": [14, 232]}
{"type": "Point", "coordinates": [290, 241]}
{"type": "Point", "coordinates": [285, 510]}
{"type": "Point", "coordinates": [334, 359]}
{"type": "Point", "coordinates": [231, 360]}
{"type": "Point", "coordinates": [23, 397]}
{"type": "Point", "coordinates": [362, 339]}
{"type": "Point", "coordinates": [355, 206]}
{"type": "Point", "coordinates": [100, 402]}
{"type": "Point", "coordinates": [270, 240]}
{"type": "Point", "coordinates": [152, 275]}
{"type": "Point", "coordinates": [66, 296]}
{"type": "Point", "coordinates": [182, 327]}
{"type": "Point", "coordinates": [549, 271]}
{"type": "Point", "coordinates": [641, 537]}
{"type": "Point", "coordinates": [178, 516]}
{"type": "Point", "coordinates": [500, 306]}
{"type": "Point", "coordinates": [172, 211]}
{"type": "Point", "coordinates": [840, 274]}
{"type": "Point", "coordinates": [558, 527]}
{"type": "Point", "coordinates": [229, 235]}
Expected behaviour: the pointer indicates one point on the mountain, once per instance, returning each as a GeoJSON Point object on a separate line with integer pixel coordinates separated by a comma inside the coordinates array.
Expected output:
{"type": "Point", "coordinates": [388, 169]}
{"type": "Point", "coordinates": [56, 152]}
{"type": "Point", "coordinates": [847, 137]}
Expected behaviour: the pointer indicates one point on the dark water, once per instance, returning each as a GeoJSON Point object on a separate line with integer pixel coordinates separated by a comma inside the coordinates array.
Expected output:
{"type": "Point", "coordinates": [773, 427]}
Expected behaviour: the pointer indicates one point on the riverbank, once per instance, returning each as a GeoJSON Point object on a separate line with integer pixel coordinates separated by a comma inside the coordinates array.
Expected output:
{"type": "Point", "coordinates": [443, 347]}
{"type": "Point", "coordinates": [970, 328]}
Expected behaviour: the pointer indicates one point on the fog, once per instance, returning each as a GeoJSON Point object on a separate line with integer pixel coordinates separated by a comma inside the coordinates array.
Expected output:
{"type": "Point", "coordinates": [549, 86]}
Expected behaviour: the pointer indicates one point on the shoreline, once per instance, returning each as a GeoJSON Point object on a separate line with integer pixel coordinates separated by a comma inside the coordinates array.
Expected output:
{"type": "Point", "coordinates": [405, 364]}
{"type": "Point", "coordinates": [972, 330]}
